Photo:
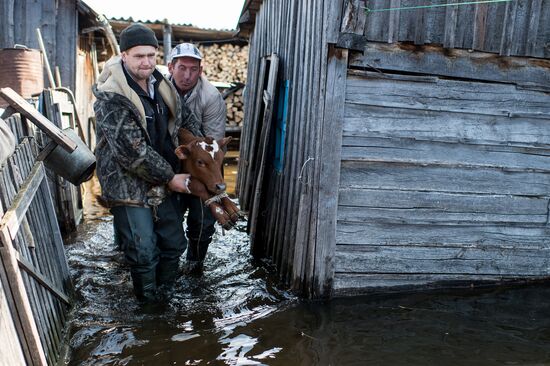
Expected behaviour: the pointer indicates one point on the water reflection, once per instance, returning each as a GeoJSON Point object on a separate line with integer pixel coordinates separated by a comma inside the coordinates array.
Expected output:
{"type": "Point", "coordinates": [236, 315]}
{"type": "Point", "coordinates": [201, 323]}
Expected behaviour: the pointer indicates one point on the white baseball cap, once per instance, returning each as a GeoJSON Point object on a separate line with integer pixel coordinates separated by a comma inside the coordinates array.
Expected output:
{"type": "Point", "coordinates": [185, 50]}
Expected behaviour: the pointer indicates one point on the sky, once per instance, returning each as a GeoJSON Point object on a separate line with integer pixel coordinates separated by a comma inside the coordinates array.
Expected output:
{"type": "Point", "coordinates": [216, 14]}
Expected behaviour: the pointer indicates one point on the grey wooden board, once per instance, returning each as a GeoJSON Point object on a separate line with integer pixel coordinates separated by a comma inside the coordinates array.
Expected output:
{"type": "Point", "coordinates": [12, 353]}
{"type": "Point", "coordinates": [453, 63]}
{"type": "Point", "coordinates": [47, 264]}
{"type": "Point", "coordinates": [346, 284]}
{"type": "Point", "coordinates": [263, 144]}
{"type": "Point", "coordinates": [443, 260]}
{"type": "Point", "coordinates": [367, 175]}
{"type": "Point", "coordinates": [66, 19]}
{"type": "Point", "coordinates": [507, 236]}
{"type": "Point", "coordinates": [390, 206]}
{"type": "Point", "coordinates": [333, 14]}
{"type": "Point", "coordinates": [445, 154]}
{"type": "Point", "coordinates": [446, 95]}
{"type": "Point", "coordinates": [353, 19]}
{"type": "Point", "coordinates": [14, 217]}
{"type": "Point", "coordinates": [329, 171]}
{"type": "Point", "coordinates": [375, 121]}
{"type": "Point", "coordinates": [505, 26]}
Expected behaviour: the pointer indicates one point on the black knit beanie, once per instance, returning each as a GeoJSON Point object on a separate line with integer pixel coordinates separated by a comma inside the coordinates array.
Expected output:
{"type": "Point", "coordinates": [137, 35]}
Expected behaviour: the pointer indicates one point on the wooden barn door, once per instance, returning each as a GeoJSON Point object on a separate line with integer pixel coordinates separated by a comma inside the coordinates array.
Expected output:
{"type": "Point", "coordinates": [441, 180]}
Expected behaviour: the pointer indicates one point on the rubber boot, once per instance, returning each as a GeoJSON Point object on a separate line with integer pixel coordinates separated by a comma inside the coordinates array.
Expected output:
{"type": "Point", "coordinates": [167, 272]}
{"type": "Point", "coordinates": [145, 286]}
{"type": "Point", "coordinates": [196, 252]}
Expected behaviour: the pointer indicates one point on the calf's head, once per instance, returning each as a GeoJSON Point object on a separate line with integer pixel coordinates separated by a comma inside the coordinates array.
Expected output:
{"type": "Point", "coordinates": [202, 158]}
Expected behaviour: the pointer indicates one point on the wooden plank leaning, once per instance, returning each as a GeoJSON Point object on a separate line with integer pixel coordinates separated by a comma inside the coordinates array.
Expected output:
{"type": "Point", "coordinates": [27, 110]}
{"type": "Point", "coordinates": [268, 99]}
{"type": "Point", "coordinates": [12, 219]}
{"type": "Point", "coordinates": [8, 229]}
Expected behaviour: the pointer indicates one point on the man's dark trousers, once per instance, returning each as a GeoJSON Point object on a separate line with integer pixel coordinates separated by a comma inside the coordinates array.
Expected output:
{"type": "Point", "coordinates": [200, 228]}
{"type": "Point", "coordinates": [152, 243]}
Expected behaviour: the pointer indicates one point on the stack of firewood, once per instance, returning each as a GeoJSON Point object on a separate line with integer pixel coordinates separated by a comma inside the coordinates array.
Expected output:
{"type": "Point", "coordinates": [228, 63]}
{"type": "Point", "coordinates": [235, 112]}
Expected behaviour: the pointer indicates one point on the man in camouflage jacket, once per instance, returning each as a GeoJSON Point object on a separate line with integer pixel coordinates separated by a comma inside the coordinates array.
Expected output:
{"type": "Point", "coordinates": [138, 114]}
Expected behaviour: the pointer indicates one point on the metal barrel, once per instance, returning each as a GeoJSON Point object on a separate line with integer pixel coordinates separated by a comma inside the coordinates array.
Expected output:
{"type": "Point", "coordinates": [21, 69]}
{"type": "Point", "coordinates": [77, 166]}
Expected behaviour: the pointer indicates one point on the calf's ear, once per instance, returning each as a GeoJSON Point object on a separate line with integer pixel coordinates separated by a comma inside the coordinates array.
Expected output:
{"type": "Point", "coordinates": [223, 142]}
{"type": "Point", "coordinates": [182, 152]}
{"type": "Point", "coordinates": [184, 136]}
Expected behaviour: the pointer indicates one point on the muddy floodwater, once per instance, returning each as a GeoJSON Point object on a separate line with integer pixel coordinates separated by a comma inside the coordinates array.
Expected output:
{"type": "Point", "coordinates": [236, 314]}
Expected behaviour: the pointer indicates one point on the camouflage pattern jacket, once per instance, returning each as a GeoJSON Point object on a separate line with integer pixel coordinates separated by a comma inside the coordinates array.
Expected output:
{"type": "Point", "coordinates": [130, 171]}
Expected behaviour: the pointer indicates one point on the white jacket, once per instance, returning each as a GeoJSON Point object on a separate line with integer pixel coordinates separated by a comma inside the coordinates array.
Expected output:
{"type": "Point", "coordinates": [206, 102]}
{"type": "Point", "coordinates": [7, 142]}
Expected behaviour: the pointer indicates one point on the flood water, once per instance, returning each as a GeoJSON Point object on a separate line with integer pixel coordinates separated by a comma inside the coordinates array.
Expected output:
{"type": "Point", "coordinates": [235, 314]}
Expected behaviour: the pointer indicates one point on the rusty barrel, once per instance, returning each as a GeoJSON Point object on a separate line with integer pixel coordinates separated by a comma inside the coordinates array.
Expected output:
{"type": "Point", "coordinates": [21, 69]}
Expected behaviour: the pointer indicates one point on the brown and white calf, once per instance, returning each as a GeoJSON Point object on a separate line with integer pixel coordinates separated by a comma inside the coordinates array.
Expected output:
{"type": "Point", "coordinates": [202, 158]}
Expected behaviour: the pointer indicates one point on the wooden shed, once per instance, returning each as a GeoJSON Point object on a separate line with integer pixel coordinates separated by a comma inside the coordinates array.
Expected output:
{"type": "Point", "coordinates": [76, 40]}
{"type": "Point", "coordinates": [397, 144]}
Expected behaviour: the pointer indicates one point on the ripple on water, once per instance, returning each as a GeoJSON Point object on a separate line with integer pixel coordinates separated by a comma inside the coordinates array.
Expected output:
{"type": "Point", "coordinates": [110, 327]}
{"type": "Point", "coordinates": [235, 315]}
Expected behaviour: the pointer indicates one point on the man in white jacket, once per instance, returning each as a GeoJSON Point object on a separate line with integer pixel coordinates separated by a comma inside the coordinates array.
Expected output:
{"type": "Point", "coordinates": [204, 100]}
{"type": "Point", "coordinates": [7, 142]}
{"type": "Point", "coordinates": [208, 108]}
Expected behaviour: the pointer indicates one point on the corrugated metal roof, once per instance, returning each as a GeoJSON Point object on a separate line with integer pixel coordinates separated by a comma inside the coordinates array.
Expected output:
{"type": "Point", "coordinates": [181, 32]}
{"type": "Point", "coordinates": [165, 21]}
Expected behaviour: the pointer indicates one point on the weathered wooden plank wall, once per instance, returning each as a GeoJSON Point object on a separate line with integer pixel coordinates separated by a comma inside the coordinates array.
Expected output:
{"type": "Point", "coordinates": [441, 179]}
{"type": "Point", "coordinates": [297, 32]}
{"type": "Point", "coordinates": [12, 353]}
{"type": "Point", "coordinates": [435, 60]}
{"type": "Point", "coordinates": [57, 21]}
{"type": "Point", "coordinates": [31, 250]}
{"type": "Point", "coordinates": [515, 28]}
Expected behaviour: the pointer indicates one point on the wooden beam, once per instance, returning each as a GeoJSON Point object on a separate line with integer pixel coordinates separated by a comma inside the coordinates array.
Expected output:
{"type": "Point", "coordinates": [27, 110]}
{"type": "Point", "coordinates": [44, 281]}
{"type": "Point", "coordinates": [167, 41]}
{"type": "Point", "coordinates": [12, 219]}
{"type": "Point", "coordinates": [434, 60]}
{"type": "Point", "coordinates": [329, 172]}
{"type": "Point", "coordinates": [25, 317]}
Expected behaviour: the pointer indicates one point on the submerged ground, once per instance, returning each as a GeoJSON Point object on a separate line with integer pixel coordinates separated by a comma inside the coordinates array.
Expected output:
{"type": "Point", "coordinates": [237, 315]}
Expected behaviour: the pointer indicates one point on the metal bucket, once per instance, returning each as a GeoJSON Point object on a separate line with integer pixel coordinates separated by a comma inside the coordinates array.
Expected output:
{"type": "Point", "coordinates": [77, 167]}
{"type": "Point", "coordinates": [21, 69]}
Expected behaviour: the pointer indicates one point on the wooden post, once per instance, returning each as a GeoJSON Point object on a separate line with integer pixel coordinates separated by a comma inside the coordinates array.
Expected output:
{"type": "Point", "coordinates": [45, 55]}
{"type": "Point", "coordinates": [57, 76]}
{"type": "Point", "coordinates": [329, 173]}
{"type": "Point", "coordinates": [167, 41]}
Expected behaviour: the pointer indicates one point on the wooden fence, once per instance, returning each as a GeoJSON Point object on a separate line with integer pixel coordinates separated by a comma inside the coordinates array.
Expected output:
{"type": "Point", "coordinates": [34, 274]}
